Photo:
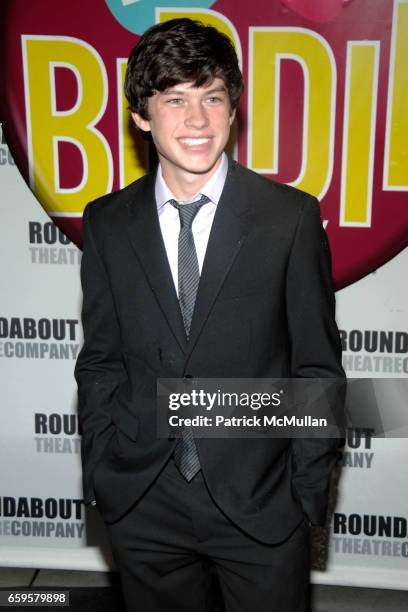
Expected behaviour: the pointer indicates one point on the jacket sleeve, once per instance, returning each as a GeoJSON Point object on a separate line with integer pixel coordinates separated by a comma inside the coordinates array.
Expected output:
{"type": "Point", "coordinates": [315, 353]}
{"type": "Point", "coordinates": [99, 369]}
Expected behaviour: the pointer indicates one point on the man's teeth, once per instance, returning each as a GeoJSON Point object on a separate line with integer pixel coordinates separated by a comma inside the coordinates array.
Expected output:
{"type": "Point", "coordinates": [194, 141]}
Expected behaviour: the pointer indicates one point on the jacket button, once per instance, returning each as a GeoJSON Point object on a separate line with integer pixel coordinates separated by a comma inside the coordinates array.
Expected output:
{"type": "Point", "coordinates": [188, 380]}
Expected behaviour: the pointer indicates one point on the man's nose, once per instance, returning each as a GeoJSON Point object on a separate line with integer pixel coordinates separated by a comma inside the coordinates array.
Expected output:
{"type": "Point", "coordinates": [196, 115]}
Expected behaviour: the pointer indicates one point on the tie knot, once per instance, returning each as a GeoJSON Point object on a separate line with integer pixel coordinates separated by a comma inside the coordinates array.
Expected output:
{"type": "Point", "coordinates": [188, 210]}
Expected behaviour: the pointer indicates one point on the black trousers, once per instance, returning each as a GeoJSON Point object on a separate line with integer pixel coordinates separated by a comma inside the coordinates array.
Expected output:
{"type": "Point", "coordinates": [175, 542]}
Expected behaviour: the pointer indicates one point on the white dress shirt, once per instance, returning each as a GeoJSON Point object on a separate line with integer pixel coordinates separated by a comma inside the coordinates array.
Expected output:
{"type": "Point", "coordinates": [170, 221]}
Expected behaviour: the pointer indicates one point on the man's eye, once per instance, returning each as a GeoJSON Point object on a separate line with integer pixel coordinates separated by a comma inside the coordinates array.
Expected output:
{"type": "Point", "coordinates": [214, 100]}
{"type": "Point", "coordinates": [174, 101]}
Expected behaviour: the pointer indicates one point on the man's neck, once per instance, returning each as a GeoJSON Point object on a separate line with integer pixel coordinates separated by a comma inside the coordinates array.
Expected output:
{"type": "Point", "coordinates": [185, 185]}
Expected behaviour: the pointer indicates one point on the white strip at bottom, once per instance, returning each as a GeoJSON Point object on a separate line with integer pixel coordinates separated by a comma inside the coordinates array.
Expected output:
{"type": "Point", "coordinates": [370, 577]}
{"type": "Point", "coordinates": [97, 560]}
{"type": "Point", "coordinates": [84, 559]}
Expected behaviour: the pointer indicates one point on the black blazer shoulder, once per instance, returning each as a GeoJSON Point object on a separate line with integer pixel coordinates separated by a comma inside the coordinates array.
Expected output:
{"type": "Point", "coordinates": [259, 186]}
{"type": "Point", "coordinates": [109, 209]}
{"type": "Point", "coordinates": [275, 205]}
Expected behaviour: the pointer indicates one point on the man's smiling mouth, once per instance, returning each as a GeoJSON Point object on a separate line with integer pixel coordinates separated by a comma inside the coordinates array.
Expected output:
{"type": "Point", "coordinates": [191, 142]}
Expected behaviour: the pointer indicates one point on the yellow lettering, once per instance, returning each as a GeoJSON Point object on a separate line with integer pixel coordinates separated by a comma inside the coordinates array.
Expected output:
{"type": "Point", "coordinates": [360, 104]}
{"type": "Point", "coordinates": [268, 47]}
{"type": "Point", "coordinates": [396, 138]}
{"type": "Point", "coordinates": [47, 126]}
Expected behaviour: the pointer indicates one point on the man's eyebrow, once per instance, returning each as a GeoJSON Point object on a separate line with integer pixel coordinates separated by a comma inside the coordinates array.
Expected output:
{"type": "Point", "coordinates": [219, 89]}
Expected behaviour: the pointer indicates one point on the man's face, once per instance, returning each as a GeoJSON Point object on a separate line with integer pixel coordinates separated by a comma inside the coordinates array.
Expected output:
{"type": "Point", "coordinates": [190, 128]}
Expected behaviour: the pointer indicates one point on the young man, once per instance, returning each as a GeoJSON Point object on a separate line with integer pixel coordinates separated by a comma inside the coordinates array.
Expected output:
{"type": "Point", "coordinates": [201, 269]}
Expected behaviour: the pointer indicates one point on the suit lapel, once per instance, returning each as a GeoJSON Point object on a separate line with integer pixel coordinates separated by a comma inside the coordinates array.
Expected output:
{"type": "Point", "coordinates": [231, 225]}
{"type": "Point", "coordinates": [146, 238]}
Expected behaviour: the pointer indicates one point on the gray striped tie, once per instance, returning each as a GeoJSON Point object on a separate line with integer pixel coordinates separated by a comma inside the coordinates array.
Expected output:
{"type": "Point", "coordinates": [185, 452]}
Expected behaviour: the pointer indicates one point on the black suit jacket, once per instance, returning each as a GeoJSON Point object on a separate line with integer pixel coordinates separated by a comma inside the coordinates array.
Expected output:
{"type": "Point", "coordinates": [265, 308]}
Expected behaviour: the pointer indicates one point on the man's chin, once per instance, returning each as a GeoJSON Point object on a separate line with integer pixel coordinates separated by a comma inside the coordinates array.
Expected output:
{"type": "Point", "coordinates": [203, 167]}
{"type": "Point", "coordinates": [191, 167]}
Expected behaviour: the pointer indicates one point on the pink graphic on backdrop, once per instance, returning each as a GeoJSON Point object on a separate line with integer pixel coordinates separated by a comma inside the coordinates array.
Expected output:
{"type": "Point", "coordinates": [356, 250]}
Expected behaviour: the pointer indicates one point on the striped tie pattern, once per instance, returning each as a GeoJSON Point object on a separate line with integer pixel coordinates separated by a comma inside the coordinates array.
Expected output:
{"type": "Point", "coordinates": [185, 452]}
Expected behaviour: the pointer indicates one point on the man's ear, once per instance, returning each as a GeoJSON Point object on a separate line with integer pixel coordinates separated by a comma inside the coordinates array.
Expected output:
{"type": "Point", "coordinates": [142, 124]}
{"type": "Point", "coordinates": [232, 117]}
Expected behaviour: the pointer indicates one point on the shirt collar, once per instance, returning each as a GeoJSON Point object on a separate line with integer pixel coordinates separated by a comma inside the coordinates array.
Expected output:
{"type": "Point", "coordinates": [212, 189]}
